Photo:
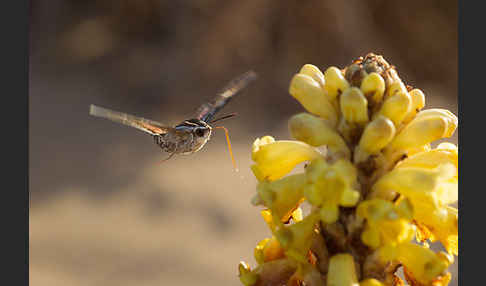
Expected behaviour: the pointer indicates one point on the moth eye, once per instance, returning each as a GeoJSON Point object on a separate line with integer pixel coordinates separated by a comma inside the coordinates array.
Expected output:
{"type": "Point", "coordinates": [200, 132]}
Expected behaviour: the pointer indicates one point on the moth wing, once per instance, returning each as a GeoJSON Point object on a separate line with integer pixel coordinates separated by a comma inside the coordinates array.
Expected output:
{"type": "Point", "coordinates": [143, 124]}
{"type": "Point", "coordinates": [207, 110]}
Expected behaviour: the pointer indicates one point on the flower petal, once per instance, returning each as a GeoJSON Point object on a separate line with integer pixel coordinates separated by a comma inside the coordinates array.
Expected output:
{"type": "Point", "coordinates": [309, 93]}
{"type": "Point", "coordinates": [274, 159]}
{"type": "Point", "coordinates": [317, 132]}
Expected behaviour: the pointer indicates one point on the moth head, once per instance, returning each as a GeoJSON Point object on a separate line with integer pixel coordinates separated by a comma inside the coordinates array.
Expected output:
{"type": "Point", "coordinates": [200, 130]}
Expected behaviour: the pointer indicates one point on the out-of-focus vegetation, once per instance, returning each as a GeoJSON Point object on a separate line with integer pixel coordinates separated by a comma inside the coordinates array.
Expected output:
{"type": "Point", "coordinates": [103, 210]}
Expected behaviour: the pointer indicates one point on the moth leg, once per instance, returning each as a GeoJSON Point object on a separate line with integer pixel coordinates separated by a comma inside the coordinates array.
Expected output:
{"type": "Point", "coordinates": [171, 154]}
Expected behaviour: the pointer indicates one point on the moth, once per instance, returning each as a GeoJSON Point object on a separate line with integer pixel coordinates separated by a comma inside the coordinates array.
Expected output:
{"type": "Point", "coordinates": [190, 135]}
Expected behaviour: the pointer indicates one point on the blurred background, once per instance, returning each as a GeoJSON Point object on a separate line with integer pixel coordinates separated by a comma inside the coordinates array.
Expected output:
{"type": "Point", "coordinates": [104, 210]}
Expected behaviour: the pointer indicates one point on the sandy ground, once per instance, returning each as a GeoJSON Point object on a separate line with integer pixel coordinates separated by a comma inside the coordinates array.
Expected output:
{"type": "Point", "coordinates": [181, 223]}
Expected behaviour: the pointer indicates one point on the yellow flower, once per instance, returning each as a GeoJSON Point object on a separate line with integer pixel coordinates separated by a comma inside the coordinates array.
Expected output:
{"type": "Point", "coordinates": [335, 82]}
{"type": "Point", "coordinates": [246, 276]}
{"type": "Point", "coordinates": [317, 132]}
{"type": "Point", "coordinates": [282, 196]}
{"type": "Point", "coordinates": [386, 223]}
{"type": "Point", "coordinates": [297, 215]}
{"type": "Point", "coordinates": [354, 106]}
{"type": "Point", "coordinates": [370, 282]}
{"type": "Point", "coordinates": [268, 218]}
{"type": "Point", "coordinates": [424, 264]}
{"type": "Point", "coordinates": [377, 188]}
{"type": "Point", "coordinates": [342, 271]}
{"type": "Point", "coordinates": [296, 238]}
{"type": "Point", "coordinates": [313, 97]}
{"type": "Point", "coordinates": [442, 280]}
{"type": "Point", "coordinates": [377, 134]}
{"type": "Point", "coordinates": [429, 180]}
{"type": "Point", "coordinates": [419, 149]}
{"type": "Point", "coordinates": [418, 102]}
{"type": "Point", "coordinates": [427, 126]}
{"type": "Point", "coordinates": [267, 250]}
{"type": "Point", "coordinates": [314, 72]}
{"type": "Point", "coordinates": [274, 159]}
{"type": "Point", "coordinates": [276, 272]}
{"type": "Point", "coordinates": [429, 186]}
{"type": "Point", "coordinates": [373, 86]}
{"type": "Point", "coordinates": [442, 223]}
{"type": "Point", "coordinates": [307, 275]}
{"type": "Point", "coordinates": [444, 154]}
{"type": "Point", "coordinates": [329, 186]}
{"type": "Point", "coordinates": [397, 105]}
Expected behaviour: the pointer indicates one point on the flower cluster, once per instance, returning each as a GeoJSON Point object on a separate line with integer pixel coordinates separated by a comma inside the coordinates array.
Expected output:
{"type": "Point", "coordinates": [378, 192]}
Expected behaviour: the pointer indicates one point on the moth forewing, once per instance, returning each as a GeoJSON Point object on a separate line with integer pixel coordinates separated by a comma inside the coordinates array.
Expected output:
{"type": "Point", "coordinates": [143, 124]}
{"type": "Point", "coordinates": [208, 110]}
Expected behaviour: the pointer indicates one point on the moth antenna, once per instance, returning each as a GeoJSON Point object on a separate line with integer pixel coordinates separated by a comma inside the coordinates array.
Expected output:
{"type": "Point", "coordinates": [225, 117]}
{"type": "Point", "coordinates": [229, 146]}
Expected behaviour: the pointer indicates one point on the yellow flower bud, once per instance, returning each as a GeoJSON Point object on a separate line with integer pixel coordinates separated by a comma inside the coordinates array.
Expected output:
{"type": "Point", "coordinates": [314, 72]}
{"type": "Point", "coordinates": [258, 251]}
{"type": "Point", "coordinates": [296, 238]}
{"type": "Point", "coordinates": [329, 213]}
{"type": "Point", "coordinates": [373, 86]}
{"type": "Point", "coordinates": [396, 87]}
{"type": "Point", "coordinates": [342, 271]}
{"type": "Point", "coordinates": [418, 102]}
{"type": "Point", "coordinates": [349, 198]}
{"type": "Point", "coordinates": [268, 249]}
{"type": "Point", "coordinates": [371, 282]}
{"type": "Point", "coordinates": [274, 159]}
{"type": "Point", "coordinates": [354, 106]}
{"type": "Point", "coordinates": [443, 113]}
{"type": "Point", "coordinates": [246, 276]}
{"type": "Point", "coordinates": [396, 107]}
{"type": "Point", "coordinates": [371, 237]}
{"type": "Point", "coordinates": [377, 134]}
{"type": "Point", "coordinates": [427, 126]}
{"type": "Point", "coordinates": [317, 132]}
{"type": "Point", "coordinates": [335, 82]}
{"type": "Point", "coordinates": [282, 196]}
{"type": "Point", "coordinates": [312, 97]}
{"type": "Point", "coordinates": [268, 218]}
{"type": "Point", "coordinates": [437, 112]}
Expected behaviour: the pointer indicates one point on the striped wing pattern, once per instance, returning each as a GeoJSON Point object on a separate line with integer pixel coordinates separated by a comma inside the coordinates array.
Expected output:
{"type": "Point", "coordinates": [207, 111]}
{"type": "Point", "coordinates": [145, 125]}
